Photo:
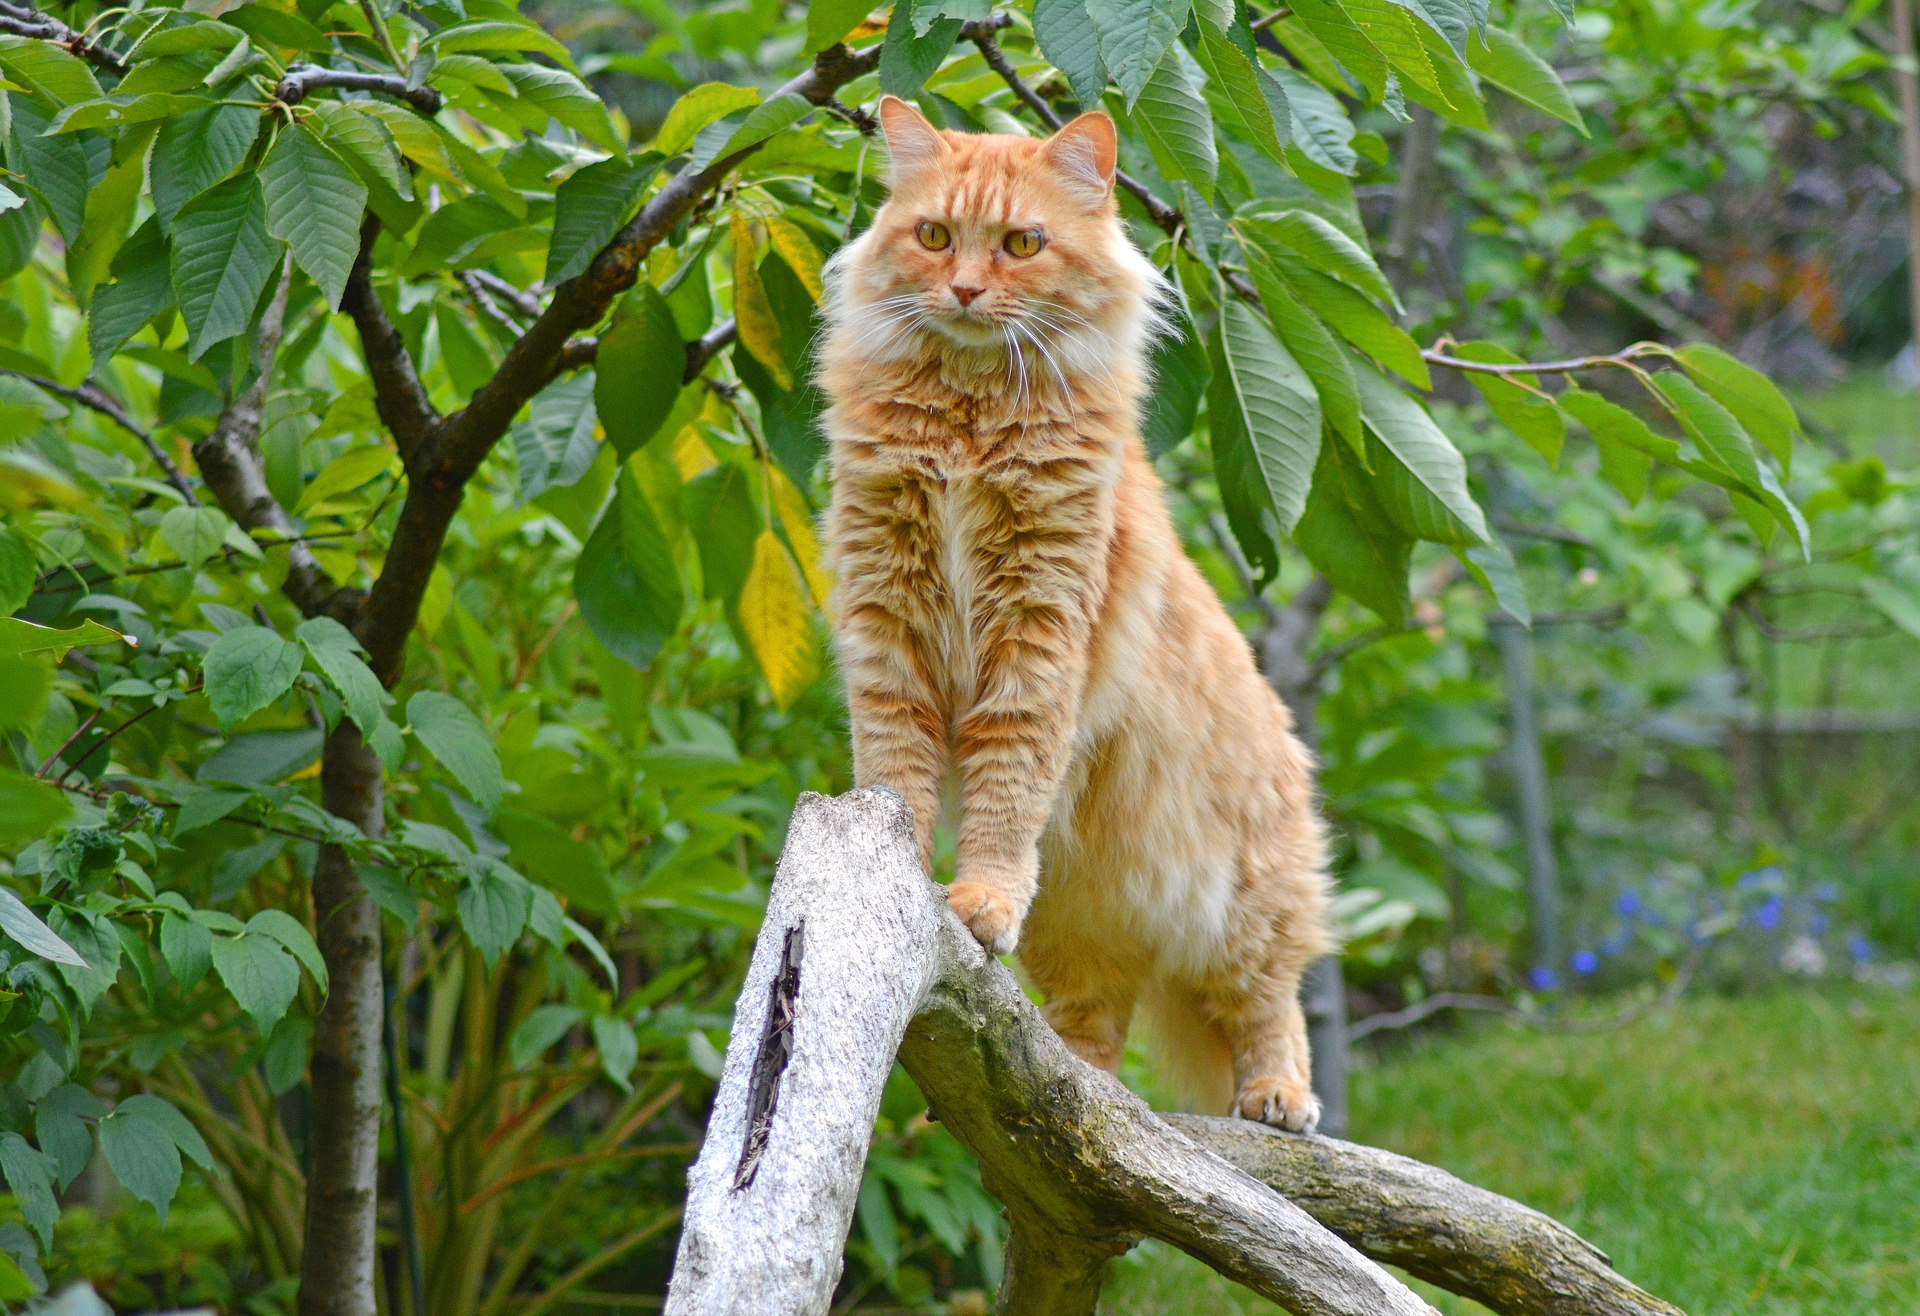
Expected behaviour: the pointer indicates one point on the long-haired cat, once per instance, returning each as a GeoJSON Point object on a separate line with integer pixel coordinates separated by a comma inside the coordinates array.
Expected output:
{"type": "Point", "coordinates": [1014, 610]}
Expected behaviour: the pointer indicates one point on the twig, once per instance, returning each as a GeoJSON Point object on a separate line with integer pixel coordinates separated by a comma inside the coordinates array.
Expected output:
{"type": "Point", "coordinates": [303, 78]}
{"type": "Point", "coordinates": [524, 300]}
{"type": "Point", "coordinates": [67, 744]}
{"type": "Point", "coordinates": [1432, 1005]}
{"type": "Point", "coordinates": [859, 118]}
{"type": "Point", "coordinates": [151, 568]}
{"type": "Point", "coordinates": [92, 749]}
{"type": "Point", "coordinates": [23, 20]}
{"type": "Point", "coordinates": [1623, 359]}
{"type": "Point", "coordinates": [1345, 649]}
{"type": "Point", "coordinates": [483, 301]}
{"type": "Point", "coordinates": [1278, 15]}
{"type": "Point", "coordinates": [97, 399]}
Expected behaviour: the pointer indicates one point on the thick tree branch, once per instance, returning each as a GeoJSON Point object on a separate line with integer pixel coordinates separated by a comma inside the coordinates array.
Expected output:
{"type": "Point", "coordinates": [399, 396]}
{"type": "Point", "coordinates": [97, 399]}
{"type": "Point", "coordinates": [26, 21]}
{"type": "Point", "coordinates": [303, 78]}
{"type": "Point", "coordinates": [859, 951]}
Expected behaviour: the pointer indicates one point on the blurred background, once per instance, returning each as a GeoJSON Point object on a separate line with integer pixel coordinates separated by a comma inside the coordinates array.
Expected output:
{"type": "Point", "coordinates": [1632, 898]}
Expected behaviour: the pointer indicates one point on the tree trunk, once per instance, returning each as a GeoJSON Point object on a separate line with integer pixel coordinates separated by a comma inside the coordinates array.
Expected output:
{"type": "Point", "coordinates": [343, 1133]}
{"type": "Point", "coordinates": [859, 953]}
{"type": "Point", "coordinates": [1529, 767]}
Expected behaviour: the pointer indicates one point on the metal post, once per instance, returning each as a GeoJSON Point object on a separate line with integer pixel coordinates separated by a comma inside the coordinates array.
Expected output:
{"type": "Point", "coordinates": [1530, 786]}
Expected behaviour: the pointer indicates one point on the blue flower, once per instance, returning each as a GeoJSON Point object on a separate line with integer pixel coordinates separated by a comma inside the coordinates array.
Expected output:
{"type": "Point", "coordinates": [1768, 915]}
{"type": "Point", "coordinates": [1543, 979]}
{"type": "Point", "coordinates": [1817, 925]}
{"type": "Point", "coordinates": [1859, 947]}
{"type": "Point", "coordinates": [1585, 961]}
{"type": "Point", "coordinates": [1628, 904]}
{"type": "Point", "coordinates": [1826, 891]}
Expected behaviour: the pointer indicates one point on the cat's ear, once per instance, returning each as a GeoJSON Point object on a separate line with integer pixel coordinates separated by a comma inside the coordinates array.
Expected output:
{"type": "Point", "coordinates": [912, 142]}
{"type": "Point", "coordinates": [1085, 152]}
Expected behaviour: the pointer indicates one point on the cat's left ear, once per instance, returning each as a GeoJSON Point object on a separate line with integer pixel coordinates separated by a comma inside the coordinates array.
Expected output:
{"type": "Point", "coordinates": [912, 142]}
{"type": "Point", "coordinates": [1085, 152]}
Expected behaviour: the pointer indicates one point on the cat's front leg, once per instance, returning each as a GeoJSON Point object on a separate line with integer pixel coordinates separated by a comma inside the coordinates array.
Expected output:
{"type": "Point", "coordinates": [899, 730]}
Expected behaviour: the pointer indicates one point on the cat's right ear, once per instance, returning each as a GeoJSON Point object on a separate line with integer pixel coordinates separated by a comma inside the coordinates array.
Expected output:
{"type": "Point", "coordinates": [912, 143]}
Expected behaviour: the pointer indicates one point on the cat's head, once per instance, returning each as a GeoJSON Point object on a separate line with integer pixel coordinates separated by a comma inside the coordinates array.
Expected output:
{"type": "Point", "coordinates": [998, 243]}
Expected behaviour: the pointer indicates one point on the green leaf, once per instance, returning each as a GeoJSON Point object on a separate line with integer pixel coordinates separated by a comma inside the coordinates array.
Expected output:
{"type": "Point", "coordinates": [539, 1031]}
{"type": "Point", "coordinates": [167, 1118]}
{"type": "Point", "coordinates": [705, 104]}
{"type": "Point", "coordinates": [25, 927]}
{"type": "Point", "coordinates": [222, 259]}
{"type": "Point", "coordinates": [626, 582]}
{"type": "Point", "coordinates": [1321, 130]}
{"type": "Point", "coordinates": [60, 170]}
{"type": "Point", "coordinates": [1261, 399]}
{"type": "Point", "coordinates": [29, 808]}
{"type": "Point", "coordinates": [589, 209]}
{"type": "Point", "coordinates": [1505, 61]}
{"type": "Point", "coordinates": [1315, 242]}
{"type": "Point", "coordinates": [341, 660]}
{"type": "Point", "coordinates": [1173, 118]}
{"type": "Point", "coordinates": [1712, 428]}
{"type": "Point", "coordinates": [1749, 395]}
{"type": "Point", "coordinates": [493, 906]}
{"type": "Point", "coordinates": [1533, 417]}
{"type": "Point", "coordinates": [262, 977]}
{"type": "Point", "coordinates": [1348, 537]}
{"type": "Point", "coordinates": [46, 69]}
{"type": "Point", "coordinates": [314, 204]}
{"type": "Point", "coordinates": [460, 742]}
{"type": "Point", "coordinates": [1359, 321]}
{"type": "Point", "coordinates": [196, 150]}
{"type": "Point", "coordinates": [15, 1284]}
{"type": "Point", "coordinates": [345, 473]}
{"type": "Point", "coordinates": [498, 35]}
{"type": "Point", "coordinates": [1899, 604]}
{"type": "Point", "coordinates": [247, 669]}
{"type": "Point", "coordinates": [1234, 91]}
{"type": "Point", "coordinates": [195, 533]}
{"type": "Point", "coordinates": [907, 60]}
{"type": "Point", "coordinates": [142, 288]}
{"type": "Point", "coordinates": [829, 22]}
{"type": "Point", "coordinates": [66, 1141]}
{"type": "Point", "coordinates": [1432, 501]}
{"type": "Point", "coordinates": [1627, 447]}
{"type": "Point", "coordinates": [1135, 36]}
{"type": "Point", "coordinates": [619, 1049]}
{"type": "Point", "coordinates": [637, 371]}
{"type": "Point", "coordinates": [1069, 41]}
{"type": "Point", "coordinates": [756, 126]}
{"type": "Point", "coordinates": [555, 445]}
{"type": "Point", "coordinates": [563, 96]}
{"type": "Point", "coordinates": [1181, 370]}
{"type": "Point", "coordinates": [187, 948]}
{"type": "Point", "coordinates": [143, 1157]}
{"type": "Point", "coordinates": [1337, 27]}
{"type": "Point", "coordinates": [575, 869]}
{"type": "Point", "coordinates": [30, 1180]}
{"type": "Point", "coordinates": [292, 934]}
{"type": "Point", "coordinates": [1493, 567]}
{"type": "Point", "coordinates": [18, 571]}
{"type": "Point", "coordinates": [363, 143]}
{"type": "Point", "coordinates": [18, 636]}
{"type": "Point", "coordinates": [1313, 345]}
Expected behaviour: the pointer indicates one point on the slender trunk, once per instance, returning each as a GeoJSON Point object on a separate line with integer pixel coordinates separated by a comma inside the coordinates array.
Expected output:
{"type": "Point", "coordinates": [1417, 145]}
{"type": "Point", "coordinates": [1908, 91]}
{"type": "Point", "coordinates": [1529, 769]}
{"type": "Point", "coordinates": [343, 1135]}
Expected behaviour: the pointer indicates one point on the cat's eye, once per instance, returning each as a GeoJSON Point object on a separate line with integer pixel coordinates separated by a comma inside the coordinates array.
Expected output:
{"type": "Point", "coordinates": [1026, 242]}
{"type": "Point", "coordinates": [934, 237]}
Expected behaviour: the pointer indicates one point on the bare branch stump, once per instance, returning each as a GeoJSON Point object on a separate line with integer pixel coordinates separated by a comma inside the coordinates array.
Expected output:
{"type": "Point", "coordinates": [860, 958]}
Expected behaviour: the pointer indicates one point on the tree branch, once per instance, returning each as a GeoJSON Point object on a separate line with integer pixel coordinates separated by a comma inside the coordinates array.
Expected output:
{"type": "Point", "coordinates": [580, 353]}
{"type": "Point", "coordinates": [25, 21]}
{"type": "Point", "coordinates": [303, 78]}
{"type": "Point", "coordinates": [1623, 359]}
{"type": "Point", "coordinates": [98, 399]}
{"type": "Point", "coordinates": [398, 394]}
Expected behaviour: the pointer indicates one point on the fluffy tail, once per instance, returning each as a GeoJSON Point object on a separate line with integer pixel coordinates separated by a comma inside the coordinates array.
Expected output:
{"type": "Point", "coordinates": [1192, 1063]}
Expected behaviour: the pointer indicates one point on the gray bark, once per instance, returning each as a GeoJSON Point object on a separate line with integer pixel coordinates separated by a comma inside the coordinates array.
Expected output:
{"type": "Point", "coordinates": [1529, 767]}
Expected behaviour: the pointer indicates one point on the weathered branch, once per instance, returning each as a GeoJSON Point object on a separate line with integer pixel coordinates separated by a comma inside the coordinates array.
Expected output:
{"type": "Point", "coordinates": [98, 399]}
{"type": "Point", "coordinates": [859, 951]}
{"type": "Point", "coordinates": [303, 78]}
{"type": "Point", "coordinates": [26, 21]}
{"type": "Point", "coordinates": [1465, 1239]}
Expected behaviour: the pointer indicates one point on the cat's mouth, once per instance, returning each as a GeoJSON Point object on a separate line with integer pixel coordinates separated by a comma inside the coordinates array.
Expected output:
{"type": "Point", "coordinates": [969, 326]}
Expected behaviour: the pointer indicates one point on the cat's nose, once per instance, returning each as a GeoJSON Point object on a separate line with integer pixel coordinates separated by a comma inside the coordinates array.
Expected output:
{"type": "Point", "coordinates": [964, 294]}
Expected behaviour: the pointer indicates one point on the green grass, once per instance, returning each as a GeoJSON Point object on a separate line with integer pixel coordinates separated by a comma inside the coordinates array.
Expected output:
{"type": "Point", "coordinates": [1758, 1156]}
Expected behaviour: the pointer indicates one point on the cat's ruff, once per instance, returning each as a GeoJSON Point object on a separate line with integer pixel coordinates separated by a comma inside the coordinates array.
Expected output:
{"type": "Point", "coordinates": [1014, 607]}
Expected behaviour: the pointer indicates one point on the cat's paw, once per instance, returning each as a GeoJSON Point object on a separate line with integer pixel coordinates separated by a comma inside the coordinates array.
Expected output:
{"type": "Point", "coordinates": [988, 914]}
{"type": "Point", "coordinates": [1279, 1102]}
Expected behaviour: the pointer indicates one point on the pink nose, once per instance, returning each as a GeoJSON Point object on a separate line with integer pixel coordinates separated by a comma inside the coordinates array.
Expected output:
{"type": "Point", "coordinates": [964, 294]}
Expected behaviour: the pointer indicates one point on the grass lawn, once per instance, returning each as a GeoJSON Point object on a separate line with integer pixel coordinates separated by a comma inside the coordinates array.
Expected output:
{"type": "Point", "coordinates": [1757, 1156]}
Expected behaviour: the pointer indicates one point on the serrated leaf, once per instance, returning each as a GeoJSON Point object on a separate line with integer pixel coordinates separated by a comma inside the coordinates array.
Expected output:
{"type": "Point", "coordinates": [774, 615]}
{"type": "Point", "coordinates": [705, 104]}
{"type": "Point", "coordinates": [143, 1158]}
{"type": "Point", "coordinates": [142, 288]}
{"type": "Point", "coordinates": [1337, 28]}
{"type": "Point", "coordinates": [1173, 118]}
{"type": "Point", "coordinates": [60, 170]}
{"type": "Point", "coordinates": [1533, 417]}
{"type": "Point", "coordinates": [1505, 61]}
{"type": "Point", "coordinates": [222, 259]}
{"type": "Point", "coordinates": [907, 58]}
{"type": "Point", "coordinates": [196, 150]}
{"type": "Point", "coordinates": [799, 253]}
{"type": "Point", "coordinates": [460, 742]}
{"type": "Point", "coordinates": [631, 607]}
{"type": "Point", "coordinates": [619, 1049]}
{"type": "Point", "coordinates": [759, 328]}
{"type": "Point", "coordinates": [247, 669]}
{"type": "Point", "coordinates": [756, 126]}
{"type": "Point", "coordinates": [314, 203]}
{"type": "Point", "coordinates": [1069, 41]}
{"type": "Point", "coordinates": [1348, 537]}
{"type": "Point", "coordinates": [555, 445]}
{"type": "Point", "coordinates": [1135, 36]}
{"type": "Point", "coordinates": [589, 209]}
{"type": "Point", "coordinates": [561, 95]}
{"type": "Point", "coordinates": [48, 70]}
{"type": "Point", "coordinates": [1359, 321]}
{"type": "Point", "coordinates": [363, 142]}
{"type": "Point", "coordinates": [30, 1180]}
{"type": "Point", "coordinates": [493, 906]}
{"type": "Point", "coordinates": [1712, 428]}
{"type": "Point", "coordinates": [1180, 369]}
{"type": "Point", "coordinates": [1320, 128]}
{"type": "Point", "coordinates": [1762, 410]}
{"type": "Point", "coordinates": [637, 370]}
{"type": "Point", "coordinates": [1262, 398]}
{"type": "Point", "coordinates": [1434, 501]}
{"type": "Point", "coordinates": [1233, 86]}
{"type": "Point", "coordinates": [341, 660]}
{"type": "Point", "coordinates": [1316, 349]}
{"type": "Point", "coordinates": [25, 927]}
{"type": "Point", "coordinates": [1312, 240]}
{"type": "Point", "coordinates": [195, 533]}
{"type": "Point", "coordinates": [260, 974]}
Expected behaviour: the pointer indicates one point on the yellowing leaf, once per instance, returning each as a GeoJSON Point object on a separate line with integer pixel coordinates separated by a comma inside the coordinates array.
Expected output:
{"type": "Point", "coordinates": [752, 312]}
{"type": "Point", "coordinates": [798, 523]}
{"type": "Point", "coordinates": [775, 617]}
{"type": "Point", "coordinates": [798, 251]}
{"type": "Point", "coordinates": [690, 452]}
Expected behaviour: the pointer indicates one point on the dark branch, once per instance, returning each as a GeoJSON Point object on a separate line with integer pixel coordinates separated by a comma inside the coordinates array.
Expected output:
{"type": "Point", "coordinates": [25, 21]}
{"type": "Point", "coordinates": [580, 353]}
{"type": "Point", "coordinates": [301, 79]}
{"type": "Point", "coordinates": [399, 396]}
{"type": "Point", "coordinates": [98, 399]}
{"type": "Point", "coordinates": [526, 302]}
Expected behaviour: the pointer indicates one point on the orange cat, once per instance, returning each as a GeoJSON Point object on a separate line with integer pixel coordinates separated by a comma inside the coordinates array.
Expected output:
{"type": "Point", "coordinates": [1013, 605]}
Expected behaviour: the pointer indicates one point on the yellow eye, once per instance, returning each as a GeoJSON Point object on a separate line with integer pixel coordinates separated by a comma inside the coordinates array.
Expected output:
{"type": "Point", "coordinates": [1027, 242]}
{"type": "Point", "coordinates": [934, 237]}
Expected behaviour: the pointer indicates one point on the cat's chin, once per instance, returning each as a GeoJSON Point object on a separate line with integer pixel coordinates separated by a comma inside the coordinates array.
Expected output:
{"type": "Point", "coordinates": [967, 331]}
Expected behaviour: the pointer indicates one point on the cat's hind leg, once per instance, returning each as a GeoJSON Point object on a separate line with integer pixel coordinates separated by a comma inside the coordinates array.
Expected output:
{"type": "Point", "coordinates": [1260, 1018]}
{"type": "Point", "coordinates": [1089, 990]}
